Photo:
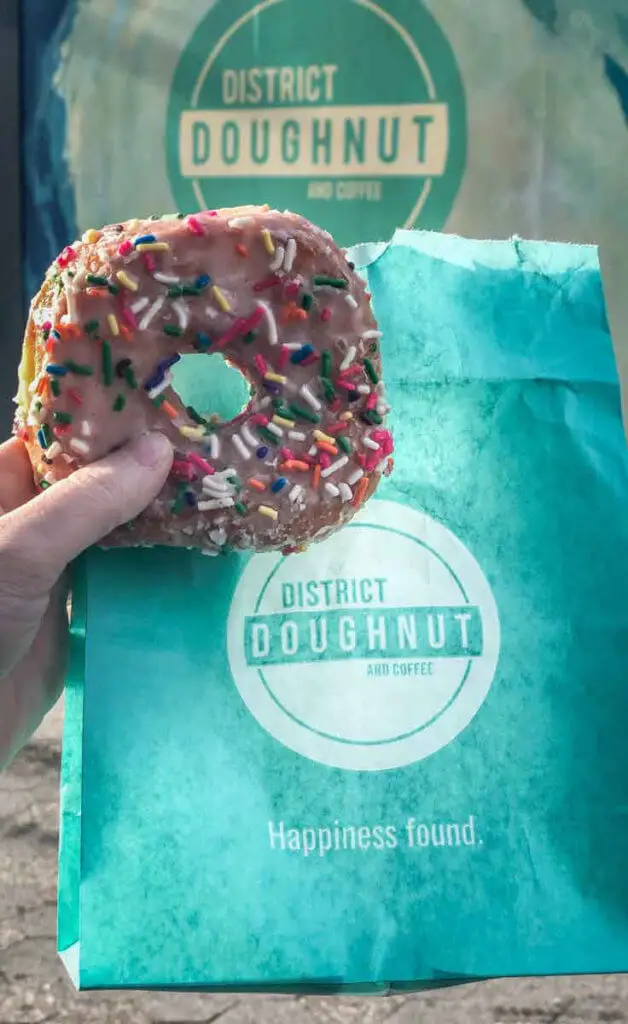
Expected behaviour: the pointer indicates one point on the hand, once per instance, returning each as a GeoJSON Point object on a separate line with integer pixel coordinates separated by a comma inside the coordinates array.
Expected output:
{"type": "Point", "coordinates": [40, 533]}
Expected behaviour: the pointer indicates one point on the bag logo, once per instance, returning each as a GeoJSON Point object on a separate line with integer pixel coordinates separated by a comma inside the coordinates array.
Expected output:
{"type": "Point", "coordinates": [352, 113]}
{"type": "Point", "coordinates": [371, 650]}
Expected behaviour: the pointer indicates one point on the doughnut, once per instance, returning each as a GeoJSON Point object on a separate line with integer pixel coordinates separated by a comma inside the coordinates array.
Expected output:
{"type": "Point", "coordinates": [277, 298]}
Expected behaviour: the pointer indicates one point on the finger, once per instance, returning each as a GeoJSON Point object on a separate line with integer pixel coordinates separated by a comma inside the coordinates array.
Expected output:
{"type": "Point", "coordinates": [39, 539]}
{"type": "Point", "coordinates": [16, 475]}
{"type": "Point", "coordinates": [34, 684]}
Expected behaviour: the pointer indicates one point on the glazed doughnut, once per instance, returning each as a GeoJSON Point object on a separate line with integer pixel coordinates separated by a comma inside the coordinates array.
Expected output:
{"type": "Point", "coordinates": [277, 298]}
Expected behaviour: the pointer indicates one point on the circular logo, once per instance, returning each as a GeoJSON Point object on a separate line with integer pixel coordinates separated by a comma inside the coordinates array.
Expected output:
{"type": "Point", "coordinates": [371, 650]}
{"type": "Point", "coordinates": [352, 113]}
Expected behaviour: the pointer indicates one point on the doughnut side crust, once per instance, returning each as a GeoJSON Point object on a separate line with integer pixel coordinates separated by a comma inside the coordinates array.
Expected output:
{"type": "Point", "coordinates": [277, 298]}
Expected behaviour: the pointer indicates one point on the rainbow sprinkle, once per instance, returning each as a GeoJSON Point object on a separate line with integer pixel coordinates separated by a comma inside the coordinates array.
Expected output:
{"type": "Point", "coordinates": [220, 299]}
{"type": "Point", "coordinates": [127, 281]}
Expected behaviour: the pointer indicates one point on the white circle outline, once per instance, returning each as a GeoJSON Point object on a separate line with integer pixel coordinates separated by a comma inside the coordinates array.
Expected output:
{"type": "Point", "coordinates": [374, 9]}
{"type": "Point", "coordinates": [396, 754]}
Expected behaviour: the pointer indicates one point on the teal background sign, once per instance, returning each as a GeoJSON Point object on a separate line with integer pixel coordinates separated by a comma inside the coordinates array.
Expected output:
{"type": "Point", "coordinates": [128, 107]}
{"type": "Point", "coordinates": [351, 112]}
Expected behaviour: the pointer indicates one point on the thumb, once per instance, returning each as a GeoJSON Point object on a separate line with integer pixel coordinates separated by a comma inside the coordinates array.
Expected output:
{"type": "Point", "coordinates": [39, 539]}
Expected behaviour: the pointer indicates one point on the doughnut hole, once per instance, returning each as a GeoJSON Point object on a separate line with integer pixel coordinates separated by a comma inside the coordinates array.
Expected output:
{"type": "Point", "coordinates": [211, 386]}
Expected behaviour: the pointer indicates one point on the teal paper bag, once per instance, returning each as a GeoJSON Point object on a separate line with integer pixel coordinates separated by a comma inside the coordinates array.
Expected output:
{"type": "Point", "coordinates": [399, 759]}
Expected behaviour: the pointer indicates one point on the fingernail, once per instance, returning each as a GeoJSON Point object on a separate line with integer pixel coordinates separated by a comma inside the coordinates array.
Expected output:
{"type": "Point", "coordinates": [151, 450]}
